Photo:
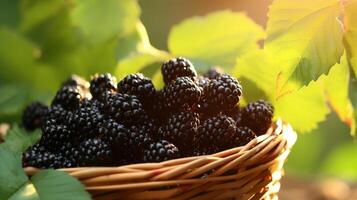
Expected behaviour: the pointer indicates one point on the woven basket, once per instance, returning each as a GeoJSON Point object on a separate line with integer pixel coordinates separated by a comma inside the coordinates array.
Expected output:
{"type": "Point", "coordinates": [252, 171]}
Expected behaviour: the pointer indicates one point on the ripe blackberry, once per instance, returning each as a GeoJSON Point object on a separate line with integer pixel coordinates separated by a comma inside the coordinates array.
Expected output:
{"type": "Point", "coordinates": [243, 136]}
{"type": "Point", "coordinates": [160, 151]}
{"type": "Point", "coordinates": [138, 85]}
{"type": "Point", "coordinates": [58, 114]}
{"type": "Point", "coordinates": [200, 150]}
{"type": "Point", "coordinates": [223, 92]}
{"type": "Point", "coordinates": [114, 133]}
{"type": "Point", "coordinates": [86, 119]}
{"type": "Point", "coordinates": [258, 116]}
{"type": "Point", "coordinates": [157, 109]}
{"type": "Point", "coordinates": [177, 67]}
{"type": "Point", "coordinates": [213, 73]}
{"type": "Point", "coordinates": [54, 135]}
{"type": "Point", "coordinates": [124, 108]}
{"type": "Point", "coordinates": [33, 115]}
{"type": "Point", "coordinates": [182, 94]}
{"type": "Point", "coordinates": [94, 152]}
{"type": "Point", "coordinates": [100, 84]}
{"type": "Point", "coordinates": [68, 97]}
{"type": "Point", "coordinates": [139, 140]}
{"type": "Point", "coordinates": [37, 156]}
{"type": "Point", "coordinates": [71, 153]}
{"type": "Point", "coordinates": [181, 128]}
{"type": "Point", "coordinates": [216, 131]}
{"type": "Point", "coordinates": [236, 114]}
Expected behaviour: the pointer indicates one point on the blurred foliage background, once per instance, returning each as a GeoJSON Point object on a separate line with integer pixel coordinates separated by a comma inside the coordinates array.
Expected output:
{"type": "Point", "coordinates": [43, 42]}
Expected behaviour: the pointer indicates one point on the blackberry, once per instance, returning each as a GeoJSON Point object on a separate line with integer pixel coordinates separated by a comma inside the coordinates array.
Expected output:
{"type": "Point", "coordinates": [204, 150]}
{"type": "Point", "coordinates": [124, 108]}
{"type": "Point", "coordinates": [160, 151]}
{"type": "Point", "coordinates": [258, 116]}
{"type": "Point", "coordinates": [68, 97]}
{"type": "Point", "coordinates": [71, 153]}
{"type": "Point", "coordinates": [139, 140]}
{"type": "Point", "coordinates": [101, 84]}
{"type": "Point", "coordinates": [183, 94]}
{"type": "Point", "coordinates": [138, 85]}
{"type": "Point", "coordinates": [177, 67]}
{"type": "Point", "coordinates": [236, 114]}
{"type": "Point", "coordinates": [243, 136]}
{"type": "Point", "coordinates": [213, 73]}
{"type": "Point", "coordinates": [181, 128]}
{"type": "Point", "coordinates": [157, 108]}
{"type": "Point", "coordinates": [114, 133]}
{"type": "Point", "coordinates": [223, 92]}
{"type": "Point", "coordinates": [33, 115]}
{"type": "Point", "coordinates": [216, 132]}
{"type": "Point", "coordinates": [37, 156]}
{"type": "Point", "coordinates": [86, 119]}
{"type": "Point", "coordinates": [54, 135]}
{"type": "Point", "coordinates": [94, 152]}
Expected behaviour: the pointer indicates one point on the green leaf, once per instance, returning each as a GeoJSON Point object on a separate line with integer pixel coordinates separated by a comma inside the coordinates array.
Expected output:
{"type": "Point", "coordinates": [9, 13]}
{"type": "Point", "coordinates": [263, 69]}
{"type": "Point", "coordinates": [58, 185]}
{"type": "Point", "coordinates": [336, 87]}
{"type": "Point", "coordinates": [308, 32]}
{"type": "Point", "coordinates": [303, 108]}
{"type": "Point", "coordinates": [340, 164]}
{"type": "Point", "coordinates": [12, 176]}
{"type": "Point", "coordinates": [350, 22]}
{"type": "Point", "coordinates": [13, 101]}
{"type": "Point", "coordinates": [139, 53]}
{"type": "Point", "coordinates": [26, 192]}
{"type": "Point", "coordinates": [18, 140]}
{"type": "Point", "coordinates": [103, 20]}
{"type": "Point", "coordinates": [215, 39]}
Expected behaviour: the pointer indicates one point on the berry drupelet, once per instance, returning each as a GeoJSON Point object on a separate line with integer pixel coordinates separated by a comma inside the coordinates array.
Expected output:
{"type": "Point", "coordinates": [68, 97]}
{"type": "Point", "coordinates": [124, 108]}
{"type": "Point", "coordinates": [213, 73]}
{"type": "Point", "coordinates": [181, 128]}
{"type": "Point", "coordinates": [258, 116]}
{"type": "Point", "coordinates": [101, 84]}
{"type": "Point", "coordinates": [223, 93]}
{"type": "Point", "coordinates": [138, 85]}
{"type": "Point", "coordinates": [182, 94]}
{"type": "Point", "coordinates": [242, 137]}
{"type": "Point", "coordinates": [94, 152]}
{"type": "Point", "coordinates": [160, 151]}
{"type": "Point", "coordinates": [177, 67]}
{"type": "Point", "coordinates": [216, 131]}
{"type": "Point", "coordinates": [33, 115]}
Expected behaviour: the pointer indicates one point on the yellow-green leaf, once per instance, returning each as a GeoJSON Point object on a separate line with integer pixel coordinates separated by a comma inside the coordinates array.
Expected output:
{"type": "Point", "coordinates": [100, 20]}
{"type": "Point", "coordinates": [215, 39]}
{"type": "Point", "coordinates": [350, 22]}
{"type": "Point", "coordinates": [336, 87]}
{"type": "Point", "coordinates": [307, 31]}
{"type": "Point", "coordinates": [303, 108]}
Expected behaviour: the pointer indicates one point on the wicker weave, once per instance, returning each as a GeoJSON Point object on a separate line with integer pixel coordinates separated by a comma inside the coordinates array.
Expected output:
{"type": "Point", "coordinates": [252, 171]}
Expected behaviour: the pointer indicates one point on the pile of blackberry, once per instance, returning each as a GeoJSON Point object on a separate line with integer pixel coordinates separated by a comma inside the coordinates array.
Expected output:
{"type": "Point", "coordinates": [108, 123]}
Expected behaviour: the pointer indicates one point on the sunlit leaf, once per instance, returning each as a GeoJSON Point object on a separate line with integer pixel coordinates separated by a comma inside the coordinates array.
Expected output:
{"type": "Point", "coordinates": [336, 87]}
{"type": "Point", "coordinates": [350, 22]}
{"type": "Point", "coordinates": [18, 140]}
{"type": "Point", "coordinates": [102, 20]}
{"type": "Point", "coordinates": [308, 31]}
{"type": "Point", "coordinates": [303, 108]}
{"type": "Point", "coordinates": [58, 185]}
{"type": "Point", "coordinates": [263, 69]}
{"type": "Point", "coordinates": [139, 53]}
{"type": "Point", "coordinates": [215, 39]}
{"type": "Point", "coordinates": [26, 192]}
{"type": "Point", "coordinates": [12, 176]}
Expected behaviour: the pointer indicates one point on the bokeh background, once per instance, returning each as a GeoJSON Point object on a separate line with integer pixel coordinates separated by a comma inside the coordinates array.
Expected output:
{"type": "Point", "coordinates": [322, 159]}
